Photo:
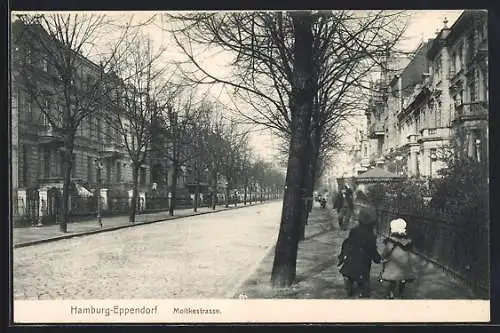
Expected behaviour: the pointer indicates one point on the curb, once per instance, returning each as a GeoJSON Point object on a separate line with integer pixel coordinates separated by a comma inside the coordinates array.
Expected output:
{"type": "Point", "coordinates": [129, 225]}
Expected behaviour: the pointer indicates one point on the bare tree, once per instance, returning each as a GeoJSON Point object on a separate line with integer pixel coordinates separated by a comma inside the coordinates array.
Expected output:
{"type": "Point", "coordinates": [72, 86]}
{"type": "Point", "coordinates": [180, 117]}
{"type": "Point", "coordinates": [235, 143]}
{"type": "Point", "coordinates": [345, 46]}
{"type": "Point", "coordinates": [216, 147]}
{"type": "Point", "coordinates": [139, 93]}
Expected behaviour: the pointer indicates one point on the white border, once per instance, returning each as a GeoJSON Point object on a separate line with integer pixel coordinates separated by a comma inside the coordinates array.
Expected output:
{"type": "Point", "coordinates": [254, 311]}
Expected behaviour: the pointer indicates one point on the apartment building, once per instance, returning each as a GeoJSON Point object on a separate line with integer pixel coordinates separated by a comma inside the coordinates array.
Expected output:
{"type": "Point", "coordinates": [468, 83]}
{"type": "Point", "coordinates": [358, 153]}
{"type": "Point", "coordinates": [37, 157]}
{"type": "Point", "coordinates": [438, 102]}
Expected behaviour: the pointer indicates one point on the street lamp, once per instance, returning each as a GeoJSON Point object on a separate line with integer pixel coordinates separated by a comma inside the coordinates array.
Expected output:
{"type": "Point", "coordinates": [99, 167]}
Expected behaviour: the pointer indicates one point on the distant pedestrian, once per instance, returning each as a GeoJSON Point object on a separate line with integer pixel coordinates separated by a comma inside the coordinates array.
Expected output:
{"type": "Point", "coordinates": [358, 251]}
{"type": "Point", "coordinates": [397, 267]}
{"type": "Point", "coordinates": [344, 206]}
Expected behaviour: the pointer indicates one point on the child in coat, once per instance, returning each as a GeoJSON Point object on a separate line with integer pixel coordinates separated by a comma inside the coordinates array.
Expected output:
{"type": "Point", "coordinates": [358, 251]}
{"type": "Point", "coordinates": [397, 269]}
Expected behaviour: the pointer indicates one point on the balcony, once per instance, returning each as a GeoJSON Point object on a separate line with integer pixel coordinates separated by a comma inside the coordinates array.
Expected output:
{"type": "Point", "coordinates": [478, 55]}
{"type": "Point", "coordinates": [471, 111]}
{"type": "Point", "coordinates": [111, 150]}
{"type": "Point", "coordinates": [376, 129]}
{"type": "Point", "coordinates": [412, 138]}
{"type": "Point", "coordinates": [49, 135]}
{"type": "Point", "coordinates": [434, 134]}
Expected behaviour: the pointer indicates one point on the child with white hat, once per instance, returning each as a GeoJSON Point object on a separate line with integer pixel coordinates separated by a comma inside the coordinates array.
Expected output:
{"type": "Point", "coordinates": [397, 269]}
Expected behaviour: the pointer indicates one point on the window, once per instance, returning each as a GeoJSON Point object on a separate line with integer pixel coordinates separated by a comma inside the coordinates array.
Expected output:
{"type": "Point", "coordinates": [99, 129]}
{"type": "Point", "coordinates": [90, 175]}
{"type": "Point", "coordinates": [438, 114]}
{"type": "Point", "coordinates": [90, 127]}
{"type": "Point", "coordinates": [80, 129]}
{"type": "Point", "coordinates": [472, 89]}
{"type": "Point", "coordinates": [75, 166]}
{"type": "Point", "coordinates": [143, 176]}
{"type": "Point", "coordinates": [44, 120]}
{"type": "Point", "coordinates": [61, 164]}
{"type": "Point", "coordinates": [470, 46]}
{"type": "Point", "coordinates": [484, 75]}
{"type": "Point", "coordinates": [460, 57]}
{"type": "Point", "coordinates": [29, 56]}
{"type": "Point", "coordinates": [118, 172]}
{"type": "Point", "coordinates": [108, 171]}
{"type": "Point", "coordinates": [46, 104]}
{"type": "Point", "coordinates": [431, 120]}
{"type": "Point", "coordinates": [119, 137]}
{"type": "Point", "coordinates": [46, 163]}
{"type": "Point", "coordinates": [437, 68]}
{"type": "Point", "coordinates": [59, 115]}
{"type": "Point", "coordinates": [88, 80]}
{"type": "Point", "coordinates": [109, 132]}
{"type": "Point", "coordinates": [96, 124]}
{"type": "Point", "coordinates": [453, 67]}
{"type": "Point", "coordinates": [477, 144]}
{"type": "Point", "coordinates": [44, 64]}
{"type": "Point", "coordinates": [29, 108]}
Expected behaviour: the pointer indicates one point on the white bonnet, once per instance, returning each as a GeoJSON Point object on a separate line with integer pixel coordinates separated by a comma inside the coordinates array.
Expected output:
{"type": "Point", "coordinates": [398, 226]}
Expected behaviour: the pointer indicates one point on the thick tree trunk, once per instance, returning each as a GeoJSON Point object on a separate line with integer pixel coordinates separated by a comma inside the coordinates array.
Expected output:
{"type": "Point", "coordinates": [313, 149]}
{"type": "Point", "coordinates": [173, 190]}
{"type": "Point", "coordinates": [133, 207]}
{"type": "Point", "coordinates": [285, 258]}
{"type": "Point", "coordinates": [68, 167]}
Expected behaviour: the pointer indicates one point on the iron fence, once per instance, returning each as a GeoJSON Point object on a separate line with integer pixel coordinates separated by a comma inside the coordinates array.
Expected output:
{"type": "Point", "coordinates": [457, 243]}
{"type": "Point", "coordinates": [31, 210]}
{"type": "Point", "coordinates": [81, 205]}
{"type": "Point", "coordinates": [25, 211]}
{"type": "Point", "coordinates": [157, 203]}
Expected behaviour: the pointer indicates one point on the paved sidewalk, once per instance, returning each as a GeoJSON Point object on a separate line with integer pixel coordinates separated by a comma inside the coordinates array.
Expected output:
{"type": "Point", "coordinates": [34, 235]}
{"type": "Point", "coordinates": [318, 276]}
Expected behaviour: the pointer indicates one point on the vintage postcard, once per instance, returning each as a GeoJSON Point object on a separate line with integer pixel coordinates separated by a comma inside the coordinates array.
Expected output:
{"type": "Point", "coordinates": [250, 166]}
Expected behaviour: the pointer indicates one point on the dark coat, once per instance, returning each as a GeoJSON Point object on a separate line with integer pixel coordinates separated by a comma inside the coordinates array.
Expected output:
{"type": "Point", "coordinates": [339, 201]}
{"type": "Point", "coordinates": [358, 252]}
{"type": "Point", "coordinates": [397, 253]}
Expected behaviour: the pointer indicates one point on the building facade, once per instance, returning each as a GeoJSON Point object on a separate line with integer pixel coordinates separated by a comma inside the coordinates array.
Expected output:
{"type": "Point", "coordinates": [436, 104]}
{"type": "Point", "coordinates": [37, 155]}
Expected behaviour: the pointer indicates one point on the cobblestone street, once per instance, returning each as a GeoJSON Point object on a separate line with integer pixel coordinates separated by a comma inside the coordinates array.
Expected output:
{"type": "Point", "coordinates": [202, 256]}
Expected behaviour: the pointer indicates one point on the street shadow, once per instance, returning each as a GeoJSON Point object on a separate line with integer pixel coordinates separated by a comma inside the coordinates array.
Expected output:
{"type": "Point", "coordinates": [315, 270]}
